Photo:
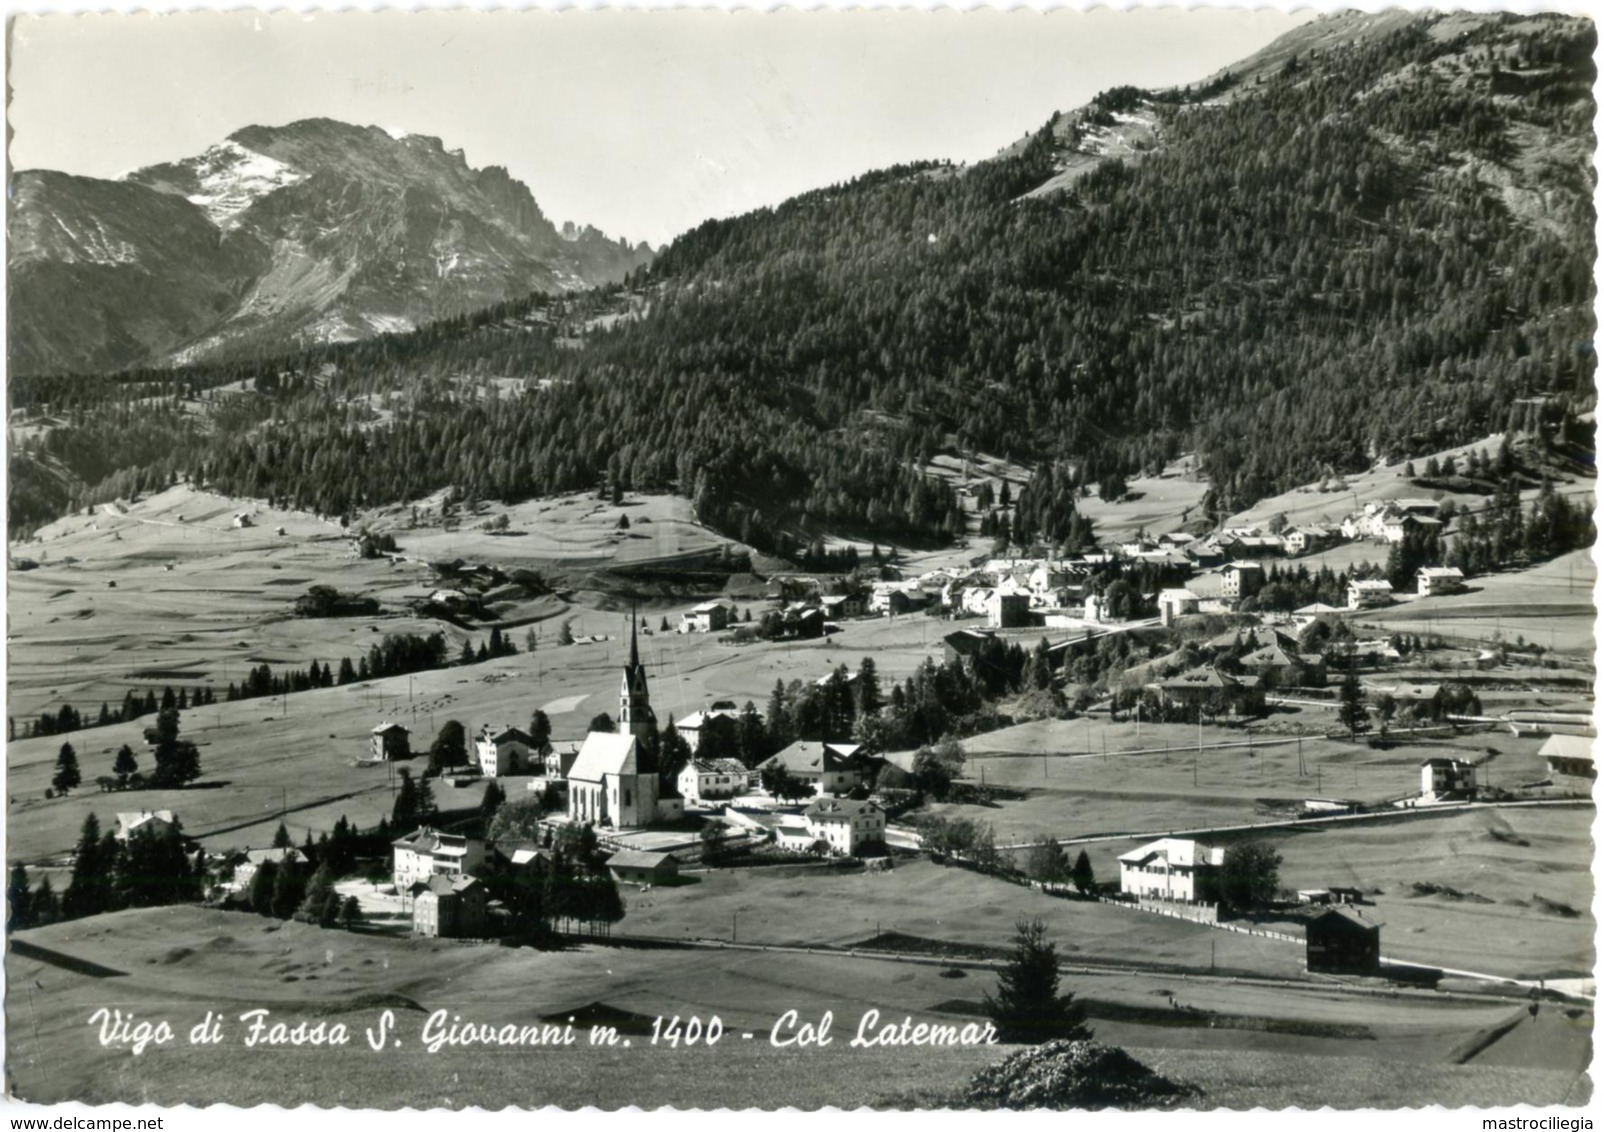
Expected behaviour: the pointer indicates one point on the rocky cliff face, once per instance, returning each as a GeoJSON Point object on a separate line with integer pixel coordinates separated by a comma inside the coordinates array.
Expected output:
{"type": "Point", "coordinates": [276, 238]}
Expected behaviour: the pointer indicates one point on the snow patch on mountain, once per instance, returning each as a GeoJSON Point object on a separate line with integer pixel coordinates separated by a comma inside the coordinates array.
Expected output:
{"type": "Point", "coordinates": [389, 323]}
{"type": "Point", "coordinates": [231, 178]}
{"type": "Point", "coordinates": [93, 245]}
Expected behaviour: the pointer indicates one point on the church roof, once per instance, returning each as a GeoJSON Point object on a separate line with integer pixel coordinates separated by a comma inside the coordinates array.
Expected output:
{"type": "Point", "coordinates": [604, 753]}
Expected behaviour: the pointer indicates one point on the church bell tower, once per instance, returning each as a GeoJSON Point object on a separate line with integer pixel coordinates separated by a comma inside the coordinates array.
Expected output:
{"type": "Point", "coordinates": [635, 716]}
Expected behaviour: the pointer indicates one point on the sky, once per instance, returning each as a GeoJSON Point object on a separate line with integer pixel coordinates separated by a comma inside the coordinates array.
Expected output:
{"type": "Point", "coordinates": [643, 123]}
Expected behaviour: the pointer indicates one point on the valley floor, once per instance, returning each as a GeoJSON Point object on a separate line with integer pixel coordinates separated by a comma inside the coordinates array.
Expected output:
{"type": "Point", "coordinates": [1270, 1046]}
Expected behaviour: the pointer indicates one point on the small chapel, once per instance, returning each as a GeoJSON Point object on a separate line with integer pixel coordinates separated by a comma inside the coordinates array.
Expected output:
{"type": "Point", "coordinates": [608, 784]}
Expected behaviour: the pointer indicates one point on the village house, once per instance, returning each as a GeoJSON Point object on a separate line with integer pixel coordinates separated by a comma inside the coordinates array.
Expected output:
{"type": "Point", "coordinates": [1253, 546]}
{"type": "Point", "coordinates": [1045, 581]}
{"type": "Point", "coordinates": [830, 768]}
{"type": "Point", "coordinates": [1431, 581]}
{"type": "Point", "coordinates": [1569, 756]}
{"type": "Point", "coordinates": [389, 743]}
{"type": "Point", "coordinates": [607, 785]}
{"type": "Point", "coordinates": [1171, 868]}
{"type": "Point", "coordinates": [846, 826]}
{"type": "Point", "coordinates": [637, 866]}
{"type": "Point", "coordinates": [1173, 604]}
{"type": "Point", "coordinates": [794, 587]}
{"type": "Point", "coordinates": [1426, 508]}
{"type": "Point", "coordinates": [246, 869]}
{"type": "Point", "coordinates": [1308, 539]}
{"type": "Point", "coordinates": [1206, 553]}
{"type": "Point", "coordinates": [449, 907]}
{"type": "Point", "coordinates": [709, 617]}
{"type": "Point", "coordinates": [1163, 556]}
{"type": "Point", "coordinates": [976, 601]}
{"type": "Point", "coordinates": [964, 642]}
{"type": "Point", "coordinates": [1447, 779]}
{"type": "Point", "coordinates": [1336, 941]}
{"type": "Point", "coordinates": [838, 607]}
{"type": "Point", "coordinates": [560, 759]}
{"type": "Point", "coordinates": [1213, 691]}
{"type": "Point", "coordinates": [1422, 701]}
{"type": "Point", "coordinates": [794, 835]}
{"type": "Point", "coordinates": [711, 779]}
{"type": "Point", "coordinates": [1007, 610]}
{"type": "Point", "coordinates": [503, 752]}
{"type": "Point", "coordinates": [1395, 527]}
{"type": "Point", "coordinates": [1241, 579]}
{"type": "Point", "coordinates": [428, 853]}
{"type": "Point", "coordinates": [691, 725]}
{"type": "Point", "coordinates": [1369, 593]}
{"type": "Point", "coordinates": [158, 822]}
{"type": "Point", "coordinates": [893, 598]}
{"type": "Point", "coordinates": [1284, 668]}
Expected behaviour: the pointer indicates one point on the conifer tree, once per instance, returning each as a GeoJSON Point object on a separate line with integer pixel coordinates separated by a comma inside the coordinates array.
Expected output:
{"type": "Point", "coordinates": [67, 777]}
{"type": "Point", "coordinates": [1028, 1007]}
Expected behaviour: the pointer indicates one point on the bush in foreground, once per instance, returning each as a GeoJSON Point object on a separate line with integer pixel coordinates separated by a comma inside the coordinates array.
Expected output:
{"type": "Point", "coordinates": [1068, 1074]}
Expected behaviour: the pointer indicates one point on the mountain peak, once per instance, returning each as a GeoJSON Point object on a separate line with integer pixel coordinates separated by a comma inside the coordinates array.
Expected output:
{"type": "Point", "coordinates": [314, 230]}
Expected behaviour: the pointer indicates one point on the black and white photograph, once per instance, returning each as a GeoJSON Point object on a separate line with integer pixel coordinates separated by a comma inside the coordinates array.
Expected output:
{"type": "Point", "coordinates": [890, 560]}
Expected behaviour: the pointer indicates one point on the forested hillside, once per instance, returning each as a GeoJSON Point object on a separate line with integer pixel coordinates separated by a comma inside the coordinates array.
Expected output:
{"type": "Point", "coordinates": [1368, 251]}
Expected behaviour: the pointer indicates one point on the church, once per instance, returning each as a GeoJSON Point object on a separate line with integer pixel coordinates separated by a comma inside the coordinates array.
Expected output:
{"type": "Point", "coordinates": [608, 785]}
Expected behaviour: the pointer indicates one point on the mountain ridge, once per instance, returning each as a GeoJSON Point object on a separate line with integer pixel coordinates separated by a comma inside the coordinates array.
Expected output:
{"type": "Point", "coordinates": [319, 231]}
{"type": "Point", "coordinates": [1375, 251]}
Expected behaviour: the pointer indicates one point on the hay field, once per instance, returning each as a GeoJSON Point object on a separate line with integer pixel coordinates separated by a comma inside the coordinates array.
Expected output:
{"type": "Point", "coordinates": [1550, 604]}
{"type": "Point", "coordinates": [569, 531]}
{"type": "Point", "coordinates": [1070, 794]}
{"type": "Point", "coordinates": [228, 610]}
{"type": "Point", "coordinates": [1509, 871]}
{"type": "Point", "coordinates": [182, 962]}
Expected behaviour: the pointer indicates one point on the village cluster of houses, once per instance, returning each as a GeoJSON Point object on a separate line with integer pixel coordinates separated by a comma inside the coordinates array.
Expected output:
{"type": "Point", "coordinates": [1229, 566]}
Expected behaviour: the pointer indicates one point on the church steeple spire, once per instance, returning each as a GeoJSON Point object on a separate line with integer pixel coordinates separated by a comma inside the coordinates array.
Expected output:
{"type": "Point", "coordinates": [635, 715]}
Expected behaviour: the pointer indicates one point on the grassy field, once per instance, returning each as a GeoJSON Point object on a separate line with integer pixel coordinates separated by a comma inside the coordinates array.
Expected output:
{"type": "Point", "coordinates": [933, 902]}
{"type": "Point", "coordinates": [1504, 892]}
{"type": "Point", "coordinates": [1550, 605]}
{"type": "Point", "coordinates": [1068, 793]}
{"type": "Point", "coordinates": [179, 963]}
{"type": "Point", "coordinates": [299, 753]}
{"type": "Point", "coordinates": [1310, 504]}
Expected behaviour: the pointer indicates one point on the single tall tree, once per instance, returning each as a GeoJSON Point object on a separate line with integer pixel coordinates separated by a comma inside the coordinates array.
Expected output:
{"type": "Point", "coordinates": [1351, 706]}
{"type": "Point", "coordinates": [539, 730]}
{"type": "Point", "coordinates": [66, 777]}
{"type": "Point", "coordinates": [1250, 875]}
{"type": "Point", "coordinates": [1027, 1007]}
{"type": "Point", "coordinates": [124, 764]}
{"type": "Point", "coordinates": [1081, 875]}
{"type": "Point", "coordinates": [450, 747]}
{"type": "Point", "coordinates": [19, 910]}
